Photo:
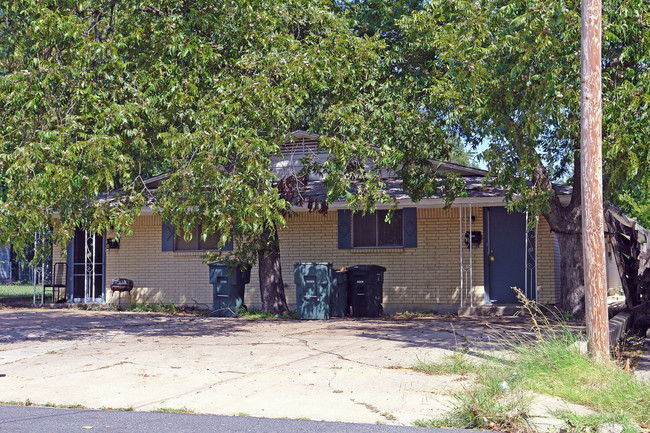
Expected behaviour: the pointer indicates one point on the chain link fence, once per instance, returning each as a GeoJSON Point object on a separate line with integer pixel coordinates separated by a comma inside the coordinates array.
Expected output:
{"type": "Point", "coordinates": [17, 276]}
{"type": "Point", "coordinates": [23, 286]}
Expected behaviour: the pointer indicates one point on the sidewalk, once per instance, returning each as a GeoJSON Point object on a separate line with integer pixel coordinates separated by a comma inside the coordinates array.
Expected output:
{"type": "Point", "coordinates": [334, 370]}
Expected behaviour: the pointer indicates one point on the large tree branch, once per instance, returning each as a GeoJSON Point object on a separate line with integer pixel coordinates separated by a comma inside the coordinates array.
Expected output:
{"type": "Point", "coordinates": [560, 217]}
{"type": "Point", "coordinates": [576, 197]}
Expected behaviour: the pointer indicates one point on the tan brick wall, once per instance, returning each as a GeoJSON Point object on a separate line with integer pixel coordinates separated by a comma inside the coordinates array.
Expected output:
{"type": "Point", "coordinates": [426, 278]}
{"type": "Point", "coordinates": [545, 264]}
{"type": "Point", "coordinates": [158, 276]}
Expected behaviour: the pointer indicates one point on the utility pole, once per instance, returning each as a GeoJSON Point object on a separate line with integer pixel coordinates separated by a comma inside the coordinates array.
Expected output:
{"type": "Point", "coordinates": [591, 164]}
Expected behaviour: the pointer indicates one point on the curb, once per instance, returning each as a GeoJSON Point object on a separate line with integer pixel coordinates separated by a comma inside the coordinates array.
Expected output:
{"type": "Point", "coordinates": [618, 326]}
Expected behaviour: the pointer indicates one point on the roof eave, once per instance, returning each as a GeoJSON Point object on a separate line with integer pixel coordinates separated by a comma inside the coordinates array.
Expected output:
{"type": "Point", "coordinates": [497, 201]}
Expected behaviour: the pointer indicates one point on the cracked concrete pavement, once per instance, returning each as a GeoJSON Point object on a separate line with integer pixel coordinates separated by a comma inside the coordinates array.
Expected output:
{"type": "Point", "coordinates": [354, 370]}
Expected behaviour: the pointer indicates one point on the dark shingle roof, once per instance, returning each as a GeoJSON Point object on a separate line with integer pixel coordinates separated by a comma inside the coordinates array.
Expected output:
{"type": "Point", "coordinates": [474, 186]}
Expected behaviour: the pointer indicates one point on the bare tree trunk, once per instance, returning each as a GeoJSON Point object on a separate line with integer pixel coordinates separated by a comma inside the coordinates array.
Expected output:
{"type": "Point", "coordinates": [565, 221]}
{"type": "Point", "coordinates": [272, 293]}
{"type": "Point", "coordinates": [572, 293]}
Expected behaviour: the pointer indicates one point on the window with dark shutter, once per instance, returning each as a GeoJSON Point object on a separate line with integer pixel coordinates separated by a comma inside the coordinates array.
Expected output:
{"type": "Point", "coordinates": [196, 242]}
{"type": "Point", "coordinates": [373, 231]}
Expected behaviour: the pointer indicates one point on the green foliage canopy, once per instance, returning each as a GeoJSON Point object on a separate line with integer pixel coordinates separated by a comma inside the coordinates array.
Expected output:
{"type": "Point", "coordinates": [509, 73]}
{"type": "Point", "coordinates": [98, 96]}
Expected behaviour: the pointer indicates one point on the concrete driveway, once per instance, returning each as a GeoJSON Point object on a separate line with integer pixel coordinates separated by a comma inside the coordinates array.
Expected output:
{"type": "Point", "coordinates": [334, 370]}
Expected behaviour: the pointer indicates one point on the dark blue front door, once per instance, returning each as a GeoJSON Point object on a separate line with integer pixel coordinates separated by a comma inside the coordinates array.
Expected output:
{"type": "Point", "coordinates": [505, 254]}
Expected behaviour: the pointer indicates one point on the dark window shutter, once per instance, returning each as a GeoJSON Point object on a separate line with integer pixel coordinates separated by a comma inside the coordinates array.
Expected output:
{"type": "Point", "coordinates": [410, 215]}
{"type": "Point", "coordinates": [167, 237]}
{"type": "Point", "coordinates": [345, 229]}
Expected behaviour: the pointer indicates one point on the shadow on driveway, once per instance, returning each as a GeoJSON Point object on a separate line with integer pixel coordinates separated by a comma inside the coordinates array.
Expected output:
{"type": "Point", "coordinates": [442, 332]}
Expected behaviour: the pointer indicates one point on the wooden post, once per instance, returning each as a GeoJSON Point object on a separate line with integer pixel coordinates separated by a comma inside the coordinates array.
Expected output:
{"type": "Point", "coordinates": [593, 236]}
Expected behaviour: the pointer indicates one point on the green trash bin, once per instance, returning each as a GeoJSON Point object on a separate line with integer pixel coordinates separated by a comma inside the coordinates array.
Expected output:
{"type": "Point", "coordinates": [339, 305]}
{"type": "Point", "coordinates": [366, 285]}
{"type": "Point", "coordinates": [228, 288]}
{"type": "Point", "coordinates": [313, 287]}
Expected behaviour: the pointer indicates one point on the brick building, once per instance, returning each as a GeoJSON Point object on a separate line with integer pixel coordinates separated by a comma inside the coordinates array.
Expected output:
{"type": "Point", "coordinates": [436, 259]}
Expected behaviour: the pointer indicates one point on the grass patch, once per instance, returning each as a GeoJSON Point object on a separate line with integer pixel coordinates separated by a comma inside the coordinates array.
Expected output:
{"type": "Point", "coordinates": [172, 410]}
{"type": "Point", "coordinates": [170, 308]}
{"type": "Point", "coordinates": [16, 403]}
{"type": "Point", "coordinates": [259, 314]}
{"type": "Point", "coordinates": [65, 406]}
{"type": "Point", "coordinates": [117, 409]}
{"type": "Point", "coordinates": [147, 307]}
{"type": "Point", "coordinates": [415, 315]}
{"type": "Point", "coordinates": [456, 363]}
{"type": "Point", "coordinates": [165, 308]}
{"type": "Point", "coordinates": [242, 414]}
{"type": "Point", "coordinates": [550, 362]}
{"type": "Point", "coordinates": [496, 402]}
{"type": "Point", "coordinates": [590, 423]}
{"type": "Point", "coordinates": [555, 366]}
{"type": "Point", "coordinates": [28, 402]}
{"type": "Point", "coordinates": [18, 290]}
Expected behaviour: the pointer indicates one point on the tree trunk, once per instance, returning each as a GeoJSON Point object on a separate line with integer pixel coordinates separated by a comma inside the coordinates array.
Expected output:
{"type": "Point", "coordinates": [572, 286]}
{"type": "Point", "coordinates": [274, 300]}
{"type": "Point", "coordinates": [566, 223]}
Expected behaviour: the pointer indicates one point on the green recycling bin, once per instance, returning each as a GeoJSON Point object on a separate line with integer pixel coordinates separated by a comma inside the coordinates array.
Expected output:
{"type": "Point", "coordinates": [228, 288]}
{"type": "Point", "coordinates": [339, 306]}
{"type": "Point", "coordinates": [314, 283]}
{"type": "Point", "coordinates": [366, 286]}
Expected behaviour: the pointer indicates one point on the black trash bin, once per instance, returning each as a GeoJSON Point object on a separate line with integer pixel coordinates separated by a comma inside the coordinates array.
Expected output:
{"type": "Point", "coordinates": [314, 283]}
{"type": "Point", "coordinates": [366, 286]}
{"type": "Point", "coordinates": [339, 304]}
{"type": "Point", "coordinates": [228, 288]}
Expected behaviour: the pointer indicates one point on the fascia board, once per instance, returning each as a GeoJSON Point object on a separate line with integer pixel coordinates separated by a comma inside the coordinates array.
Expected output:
{"type": "Point", "coordinates": [432, 203]}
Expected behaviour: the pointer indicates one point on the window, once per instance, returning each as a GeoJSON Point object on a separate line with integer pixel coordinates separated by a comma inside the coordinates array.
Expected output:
{"type": "Point", "coordinates": [372, 230]}
{"type": "Point", "coordinates": [196, 243]}
{"type": "Point", "coordinates": [170, 241]}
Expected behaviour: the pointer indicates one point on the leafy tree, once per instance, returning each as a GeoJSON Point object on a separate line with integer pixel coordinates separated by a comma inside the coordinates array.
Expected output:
{"type": "Point", "coordinates": [96, 96]}
{"type": "Point", "coordinates": [377, 17]}
{"type": "Point", "coordinates": [635, 200]}
{"type": "Point", "coordinates": [508, 72]}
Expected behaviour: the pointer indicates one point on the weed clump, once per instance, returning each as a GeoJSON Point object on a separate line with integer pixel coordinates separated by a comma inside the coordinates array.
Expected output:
{"type": "Point", "coordinates": [456, 363]}
{"type": "Point", "coordinates": [496, 402]}
{"type": "Point", "coordinates": [555, 363]}
{"type": "Point", "coordinates": [551, 361]}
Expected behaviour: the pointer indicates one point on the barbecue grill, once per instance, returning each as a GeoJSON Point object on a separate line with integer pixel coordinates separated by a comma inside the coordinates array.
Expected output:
{"type": "Point", "coordinates": [121, 285]}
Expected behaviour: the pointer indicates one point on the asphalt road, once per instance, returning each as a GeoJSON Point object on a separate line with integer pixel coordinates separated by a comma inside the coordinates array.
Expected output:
{"type": "Point", "coordinates": [19, 419]}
